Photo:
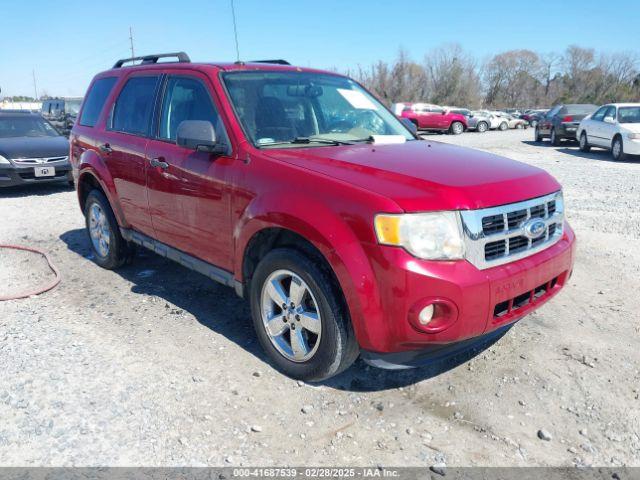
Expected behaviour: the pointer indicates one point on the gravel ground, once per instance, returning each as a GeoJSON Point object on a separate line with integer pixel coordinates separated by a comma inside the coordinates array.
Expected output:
{"type": "Point", "coordinates": [155, 365]}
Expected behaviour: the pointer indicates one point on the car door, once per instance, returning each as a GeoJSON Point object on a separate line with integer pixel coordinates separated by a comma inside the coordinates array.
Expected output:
{"type": "Point", "coordinates": [124, 144]}
{"type": "Point", "coordinates": [546, 122]}
{"type": "Point", "coordinates": [188, 195]}
{"type": "Point", "coordinates": [609, 126]}
{"type": "Point", "coordinates": [594, 128]}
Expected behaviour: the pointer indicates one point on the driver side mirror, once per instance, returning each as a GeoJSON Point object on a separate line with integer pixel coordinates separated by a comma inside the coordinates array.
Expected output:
{"type": "Point", "coordinates": [609, 120]}
{"type": "Point", "coordinates": [199, 135]}
{"type": "Point", "coordinates": [410, 125]}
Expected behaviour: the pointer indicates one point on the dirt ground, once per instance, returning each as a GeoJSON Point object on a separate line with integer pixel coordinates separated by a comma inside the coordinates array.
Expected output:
{"type": "Point", "coordinates": [155, 365]}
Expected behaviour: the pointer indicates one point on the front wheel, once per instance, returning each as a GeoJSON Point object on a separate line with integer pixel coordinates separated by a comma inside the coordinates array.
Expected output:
{"type": "Point", "coordinates": [519, 126]}
{"type": "Point", "coordinates": [617, 149]}
{"type": "Point", "coordinates": [456, 128]}
{"type": "Point", "coordinates": [555, 140]}
{"type": "Point", "coordinates": [482, 127]}
{"type": "Point", "coordinates": [538, 137]}
{"type": "Point", "coordinates": [300, 317]}
{"type": "Point", "coordinates": [503, 126]}
{"type": "Point", "coordinates": [533, 123]}
{"type": "Point", "coordinates": [584, 144]}
{"type": "Point", "coordinates": [110, 249]}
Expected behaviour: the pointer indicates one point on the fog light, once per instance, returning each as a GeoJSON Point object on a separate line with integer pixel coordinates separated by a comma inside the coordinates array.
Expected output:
{"type": "Point", "coordinates": [426, 314]}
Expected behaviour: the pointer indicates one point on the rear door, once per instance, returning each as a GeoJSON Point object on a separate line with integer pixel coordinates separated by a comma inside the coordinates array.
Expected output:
{"type": "Point", "coordinates": [125, 142]}
{"type": "Point", "coordinates": [188, 197]}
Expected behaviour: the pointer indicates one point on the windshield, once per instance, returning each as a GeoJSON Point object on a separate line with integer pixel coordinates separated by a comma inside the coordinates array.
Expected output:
{"type": "Point", "coordinates": [297, 108]}
{"type": "Point", "coordinates": [580, 109]}
{"type": "Point", "coordinates": [629, 114]}
{"type": "Point", "coordinates": [26, 126]}
{"type": "Point", "coordinates": [72, 107]}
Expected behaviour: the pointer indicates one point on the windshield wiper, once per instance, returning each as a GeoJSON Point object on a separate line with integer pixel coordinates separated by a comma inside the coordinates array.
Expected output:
{"type": "Point", "coordinates": [308, 140]}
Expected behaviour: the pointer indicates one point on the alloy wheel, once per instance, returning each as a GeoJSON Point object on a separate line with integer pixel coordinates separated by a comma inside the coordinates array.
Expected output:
{"type": "Point", "coordinates": [290, 315]}
{"type": "Point", "coordinates": [99, 230]}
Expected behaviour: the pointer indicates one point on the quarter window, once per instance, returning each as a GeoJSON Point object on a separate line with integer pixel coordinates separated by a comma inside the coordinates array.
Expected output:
{"type": "Point", "coordinates": [96, 97]}
{"type": "Point", "coordinates": [186, 99]}
{"type": "Point", "coordinates": [134, 106]}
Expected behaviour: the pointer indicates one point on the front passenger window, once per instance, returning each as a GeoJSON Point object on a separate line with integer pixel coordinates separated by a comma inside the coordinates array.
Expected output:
{"type": "Point", "coordinates": [186, 99]}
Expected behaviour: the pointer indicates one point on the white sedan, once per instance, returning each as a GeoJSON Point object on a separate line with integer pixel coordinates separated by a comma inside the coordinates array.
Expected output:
{"type": "Point", "coordinates": [615, 126]}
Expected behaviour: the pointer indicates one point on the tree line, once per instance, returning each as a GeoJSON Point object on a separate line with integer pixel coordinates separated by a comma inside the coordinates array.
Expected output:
{"type": "Point", "coordinates": [513, 79]}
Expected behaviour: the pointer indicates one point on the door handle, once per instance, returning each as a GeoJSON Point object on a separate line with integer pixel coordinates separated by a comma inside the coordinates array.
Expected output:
{"type": "Point", "coordinates": [158, 162]}
{"type": "Point", "coordinates": [106, 148]}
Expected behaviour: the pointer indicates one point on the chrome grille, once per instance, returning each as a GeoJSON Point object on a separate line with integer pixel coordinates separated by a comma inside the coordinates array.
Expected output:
{"type": "Point", "coordinates": [495, 236]}
{"type": "Point", "coordinates": [39, 160]}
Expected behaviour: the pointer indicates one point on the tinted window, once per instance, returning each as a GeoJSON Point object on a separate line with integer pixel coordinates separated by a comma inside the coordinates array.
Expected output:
{"type": "Point", "coordinates": [95, 99]}
{"type": "Point", "coordinates": [134, 106]}
{"type": "Point", "coordinates": [185, 99]}
{"type": "Point", "coordinates": [599, 115]}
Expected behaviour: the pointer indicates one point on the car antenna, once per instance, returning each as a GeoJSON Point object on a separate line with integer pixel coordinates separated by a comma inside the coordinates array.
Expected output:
{"type": "Point", "coordinates": [235, 31]}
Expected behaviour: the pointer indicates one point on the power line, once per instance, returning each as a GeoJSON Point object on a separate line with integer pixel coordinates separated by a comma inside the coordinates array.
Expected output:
{"type": "Point", "coordinates": [235, 30]}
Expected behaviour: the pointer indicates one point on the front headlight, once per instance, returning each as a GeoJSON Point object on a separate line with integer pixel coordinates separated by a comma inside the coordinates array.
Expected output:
{"type": "Point", "coordinates": [633, 136]}
{"type": "Point", "coordinates": [430, 236]}
{"type": "Point", "coordinates": [3, 161]}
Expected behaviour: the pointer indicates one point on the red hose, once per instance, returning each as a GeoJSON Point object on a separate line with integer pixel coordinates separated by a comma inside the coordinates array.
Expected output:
{"type": "Point", "coordinates": [39, 290]}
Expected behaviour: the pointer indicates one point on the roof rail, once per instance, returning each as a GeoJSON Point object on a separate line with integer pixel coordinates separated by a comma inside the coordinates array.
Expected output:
{"type": "Point", "coordinates": [275, 62]}
{"type": "Point", "coordinates": [181, 56]}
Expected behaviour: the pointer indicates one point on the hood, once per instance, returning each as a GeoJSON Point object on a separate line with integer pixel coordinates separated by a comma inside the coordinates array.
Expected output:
{"type": "Point", "coordinates": [426, 175]}
{"type": "Point", "coordinates": [34, 147]}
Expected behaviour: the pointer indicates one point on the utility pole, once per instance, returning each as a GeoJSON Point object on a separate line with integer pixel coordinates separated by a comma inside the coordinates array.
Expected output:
{"type": "Point", "coordinates": [35, 87]}
{"type": "Point", "coordinates": [133, 54]}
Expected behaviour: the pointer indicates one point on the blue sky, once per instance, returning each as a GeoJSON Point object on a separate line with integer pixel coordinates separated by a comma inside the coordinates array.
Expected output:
{"type": "Point", "coordinates": [67, 42]}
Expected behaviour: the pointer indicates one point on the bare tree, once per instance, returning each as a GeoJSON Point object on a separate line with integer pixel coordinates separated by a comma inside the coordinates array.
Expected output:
{"type": "Point", "coordinates": [452, 76]}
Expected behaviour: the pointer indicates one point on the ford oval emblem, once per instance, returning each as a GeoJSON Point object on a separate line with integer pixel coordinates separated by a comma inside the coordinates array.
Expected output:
{"type": "Point", "coordinates": [534, 228]}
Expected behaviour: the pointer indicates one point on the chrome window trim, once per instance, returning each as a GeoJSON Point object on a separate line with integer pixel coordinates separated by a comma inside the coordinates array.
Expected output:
{"type": "Point", "coordinates": [475, 239]}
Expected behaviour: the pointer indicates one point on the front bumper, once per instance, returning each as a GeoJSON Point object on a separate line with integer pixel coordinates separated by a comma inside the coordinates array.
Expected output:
{"type": "Point", "coordinates": [479, 301]}
{"type": "Point", "coordinates": [13, 175]}
{"type": "Point", "coordinates": [632, 147]}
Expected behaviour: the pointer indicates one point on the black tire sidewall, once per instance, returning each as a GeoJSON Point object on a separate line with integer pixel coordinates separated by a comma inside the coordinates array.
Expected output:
{"type": "Point", "coordinates": [338, 348]}
{"type": "Point", "coordinates": [117, 246]}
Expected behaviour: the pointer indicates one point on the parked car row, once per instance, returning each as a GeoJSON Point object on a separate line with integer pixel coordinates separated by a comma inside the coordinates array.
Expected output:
{"type": "Point", "coordinates": [614, 126]}
{"type": "Point", "coordinates": [456, 120]}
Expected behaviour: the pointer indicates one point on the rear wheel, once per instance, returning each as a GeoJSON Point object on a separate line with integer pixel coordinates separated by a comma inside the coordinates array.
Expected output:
{"type": "Point", "coordinates": [300, 317]}
{"type": "Point", "coordinates": [555, 140]}
{"type": "Point", "coordinates": [482, 127]}
{"type": "Point", "coordinates": [617, 149]}
{"type": "Point", "coordinates": [584, 144]}
{"type": "Point", "coordinates": [110, 249]}
{"type": "Point", "coordinates": [456, 128]}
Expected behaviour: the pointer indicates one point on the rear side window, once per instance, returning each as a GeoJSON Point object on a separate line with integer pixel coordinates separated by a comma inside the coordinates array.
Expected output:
{"type": "Point", "coordinates": [94, 102]}
{"type": "Point", "coordinates": [134, 106]}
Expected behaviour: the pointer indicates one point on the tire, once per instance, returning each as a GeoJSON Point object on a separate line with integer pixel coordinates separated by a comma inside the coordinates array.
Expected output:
{"type": "Point", "coordinates": [555, 140]}
{"type": "Point", "coordinates": [503, 126]}
{"type": "Point", "coordinates": [110, 249]}
{"type": "Point", "coordinates": [519, 126]}
{"type": "Point", "coordinates": [584, 144]}
{"type": "Point", "coordinates": [537, 136]}
{"type": "Point", "coordinates": [533, 123]}
{"type": "Point", "coordinates": [321, 353]}
{"type": "Point", "coordinates": [617, 149]}
{"type": "Point", "coordinates": [456, 128]}
{"type": "Point", "coordinates": [482, 127]}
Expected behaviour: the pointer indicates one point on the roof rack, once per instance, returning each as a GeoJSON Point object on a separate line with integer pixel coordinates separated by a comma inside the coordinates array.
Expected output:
{"type": "Point", "coordinates": [275, 62]}
{"type": "Point", "coordinates": [181, 56]}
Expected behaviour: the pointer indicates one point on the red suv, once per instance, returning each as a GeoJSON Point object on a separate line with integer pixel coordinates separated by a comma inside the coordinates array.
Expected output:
{"type": "Point", "coordinates": [435, 118]}
{"type": "Point", "coordinates": [347, 234]}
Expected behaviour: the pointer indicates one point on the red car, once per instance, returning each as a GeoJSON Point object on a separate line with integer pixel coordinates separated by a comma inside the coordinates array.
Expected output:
{"type": "Point", "coordinates": [435, 118]}
{"type": "Point", "coordinates": [347, 234]}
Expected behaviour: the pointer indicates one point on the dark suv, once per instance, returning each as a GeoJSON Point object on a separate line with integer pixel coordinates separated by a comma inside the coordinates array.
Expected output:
{"type": "Point", "coordinates": [31, 150]}
{"type": "Point", "coordinates": [347, 234]}
{"type": "Point", "coordinates": [561, 122]}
